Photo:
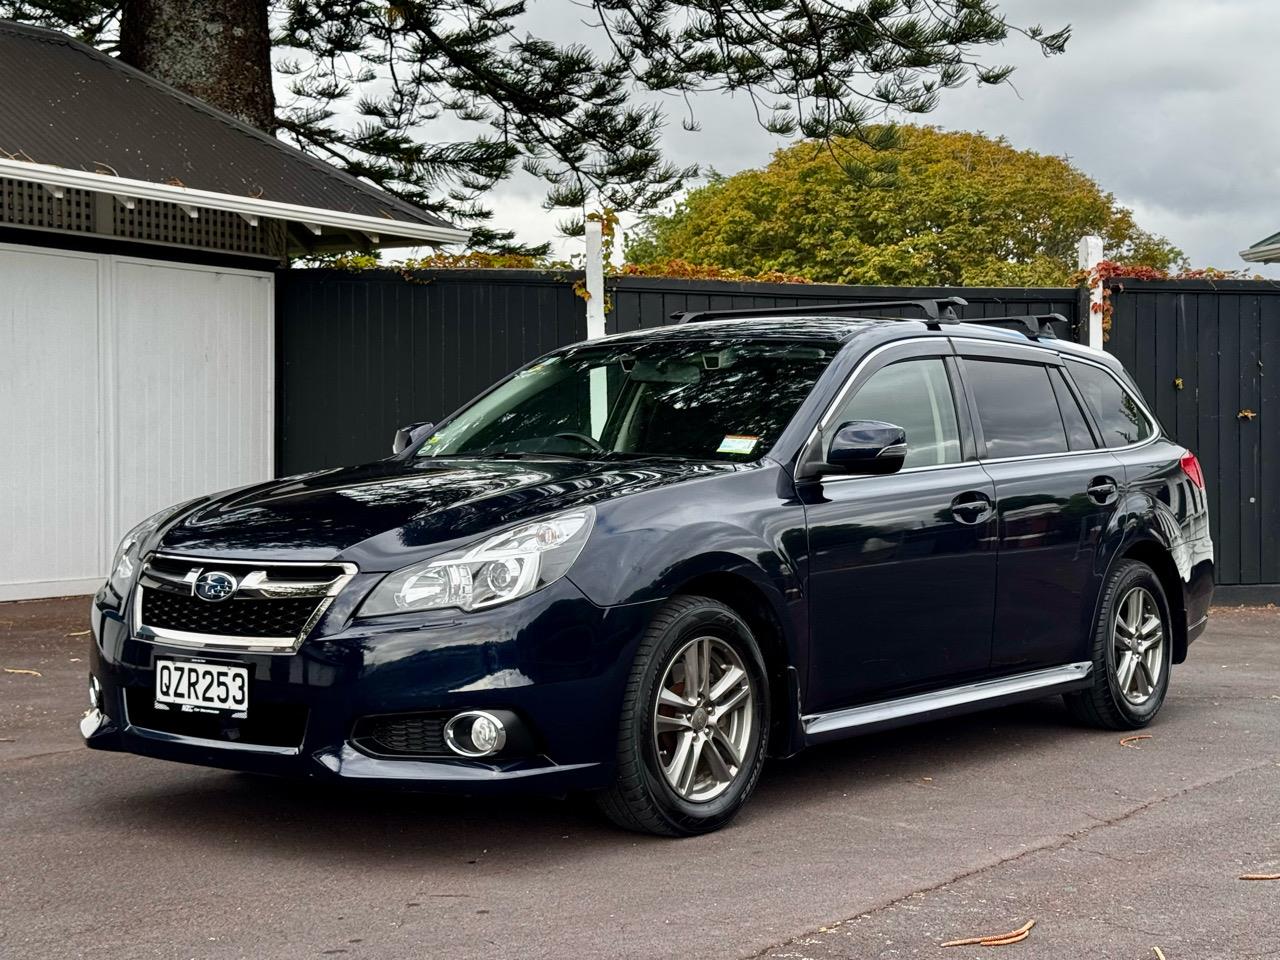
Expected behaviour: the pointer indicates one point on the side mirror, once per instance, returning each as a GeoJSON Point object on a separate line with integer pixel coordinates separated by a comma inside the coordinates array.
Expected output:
{"type": "Point", "coordinates": [867, 447]}
{"type": "Point", "coordinates": [410, 434]}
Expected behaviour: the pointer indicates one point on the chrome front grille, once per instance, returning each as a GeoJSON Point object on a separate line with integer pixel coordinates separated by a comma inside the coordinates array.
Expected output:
{"type": "Point", "coordinates": [271, 606]}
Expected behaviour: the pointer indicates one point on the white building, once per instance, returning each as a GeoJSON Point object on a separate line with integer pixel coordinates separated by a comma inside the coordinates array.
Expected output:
{"type": "Point", "coordinates": [139, 234]}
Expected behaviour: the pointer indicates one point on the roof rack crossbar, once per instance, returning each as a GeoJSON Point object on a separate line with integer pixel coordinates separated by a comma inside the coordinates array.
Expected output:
{"type": "Point", "coordinates": [1034, 326]}
{"type": "Point", "coordinates": [936, 310]}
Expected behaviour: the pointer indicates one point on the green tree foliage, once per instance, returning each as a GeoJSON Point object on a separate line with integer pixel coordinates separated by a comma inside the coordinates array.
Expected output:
{"type": "Point", "coordinates": [962, 209]}
{"type": "Point", "coordinates": [368, 80]}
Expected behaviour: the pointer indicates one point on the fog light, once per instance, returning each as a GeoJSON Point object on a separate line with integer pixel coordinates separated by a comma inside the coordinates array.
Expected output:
{"type": "Point", "coordinates": [475, 734]}
{"type": "Point", "coordinates": [95, 693]}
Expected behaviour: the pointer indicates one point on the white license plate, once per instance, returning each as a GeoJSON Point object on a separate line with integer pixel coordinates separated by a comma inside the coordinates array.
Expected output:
{"type": "Point", "coordinates": [202, 686]}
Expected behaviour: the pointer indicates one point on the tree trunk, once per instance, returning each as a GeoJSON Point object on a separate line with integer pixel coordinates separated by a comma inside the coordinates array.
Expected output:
{"type": "Point", "coordinates": [216, 50]}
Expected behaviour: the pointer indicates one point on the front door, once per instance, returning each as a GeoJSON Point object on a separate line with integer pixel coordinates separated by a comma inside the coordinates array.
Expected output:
{"type": "Point", "coordinates": [902, 567]}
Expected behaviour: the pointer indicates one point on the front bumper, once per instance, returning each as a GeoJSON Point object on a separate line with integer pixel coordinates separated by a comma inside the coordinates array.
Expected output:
{"type": "Point", "coordinates": [557, 661]}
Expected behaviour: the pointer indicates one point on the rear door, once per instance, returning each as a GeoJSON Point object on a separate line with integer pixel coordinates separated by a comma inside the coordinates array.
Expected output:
{"type": "Point", "coordinates": [902, 567]}
{"type": "Point", "coordinates": [1055, 495]}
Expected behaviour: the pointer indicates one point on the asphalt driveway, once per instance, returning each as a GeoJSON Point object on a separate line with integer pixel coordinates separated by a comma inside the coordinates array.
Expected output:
{"type": "Point", "coordinates": [879, 847]}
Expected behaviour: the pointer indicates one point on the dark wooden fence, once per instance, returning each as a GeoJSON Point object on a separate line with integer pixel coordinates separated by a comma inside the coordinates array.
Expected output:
{"type": "Point", "coordinates": [640, 302]}
{"type": "Point", "coordinates": [360, 354]}
{"type": "Point", "coordinates": [1207, 357]}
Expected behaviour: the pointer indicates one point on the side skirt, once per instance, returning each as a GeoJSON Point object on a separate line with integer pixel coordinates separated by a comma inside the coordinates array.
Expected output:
{"type": "Point", "coordinates": [820, 727]}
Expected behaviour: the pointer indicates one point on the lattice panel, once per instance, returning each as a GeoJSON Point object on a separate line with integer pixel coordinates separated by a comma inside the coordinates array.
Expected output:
{"type": "Point", "coordinates": [31, 205]}
{"type": "Point", "coordinates": [213, 229]}
{"type": "Point", "coordinates": [27, 204]}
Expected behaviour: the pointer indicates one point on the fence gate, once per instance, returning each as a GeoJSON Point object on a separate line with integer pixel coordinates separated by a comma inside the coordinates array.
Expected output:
{"type": "Point", "coordinates": [1207, 357]}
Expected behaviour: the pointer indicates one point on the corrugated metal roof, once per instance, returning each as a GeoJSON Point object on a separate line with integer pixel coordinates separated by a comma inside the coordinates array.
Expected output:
{"type": "Point", "coordinates": [1266, 250]}
{"type": "Point", "coordinates": [65, 104]}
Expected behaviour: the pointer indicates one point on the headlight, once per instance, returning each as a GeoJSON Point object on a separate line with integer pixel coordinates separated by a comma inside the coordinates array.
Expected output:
{"type": "Point", "coordinates": [124, 562]}
{"type": "Point", "coordinates": [503, 567]}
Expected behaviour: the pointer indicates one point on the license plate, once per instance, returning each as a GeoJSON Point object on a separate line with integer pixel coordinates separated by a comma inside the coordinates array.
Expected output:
{"type": "Point", "coordinates": [202, 687]}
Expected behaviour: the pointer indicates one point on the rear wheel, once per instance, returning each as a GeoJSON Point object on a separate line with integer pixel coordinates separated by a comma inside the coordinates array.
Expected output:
{"type": "Point", "coordinates": [1132, 652]}
{"type": "Point", "coordinates": [695, 716]}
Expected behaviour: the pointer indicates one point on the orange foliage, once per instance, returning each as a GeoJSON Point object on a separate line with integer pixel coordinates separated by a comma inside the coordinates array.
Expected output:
{"type": "Point", "coordinates": [684, 270]}
{"type": "Point", "coordinates": [1110, 274]}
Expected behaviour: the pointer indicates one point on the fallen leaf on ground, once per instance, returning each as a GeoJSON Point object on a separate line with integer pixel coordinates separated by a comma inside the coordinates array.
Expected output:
{"type": "Point", "coordinates": [1159, 953]}
{"type": "Point", "coordinates": [1129, 741]}
{"type": "Point", "coordinates": [995, 939]}
{"type": "Point", "coordinates": [1261, 876]}
{"type": "Point", "coordinates": [79, 633]}
{"type": "Point", "coordinates": [25, 673]}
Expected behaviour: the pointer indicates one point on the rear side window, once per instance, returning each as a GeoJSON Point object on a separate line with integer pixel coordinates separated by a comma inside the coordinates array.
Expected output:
{"type": "Point", "coordinates": [915, 395]}
{"type": "Point", "coordinates": [1120, 418]}
{"type": "Point", "coordinates": [1016, 408]}
{"type": "Point", "coordinates": [1079, 436]}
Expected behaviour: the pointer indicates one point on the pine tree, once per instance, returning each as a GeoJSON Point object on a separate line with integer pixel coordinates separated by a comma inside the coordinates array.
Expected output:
{"type": "Point", "coordinates": [368, 78]}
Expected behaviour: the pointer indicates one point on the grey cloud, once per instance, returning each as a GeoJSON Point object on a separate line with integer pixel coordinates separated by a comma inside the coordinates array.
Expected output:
{"type": "Point", "coordinates": [1166, 103]}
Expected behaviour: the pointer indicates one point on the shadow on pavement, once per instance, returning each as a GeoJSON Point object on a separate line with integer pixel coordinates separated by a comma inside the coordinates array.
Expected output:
{"type": "Point", "coordinates": [303, 818]}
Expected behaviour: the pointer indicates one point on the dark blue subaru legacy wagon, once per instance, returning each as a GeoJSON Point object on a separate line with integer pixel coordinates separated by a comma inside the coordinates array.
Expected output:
{"type": "Point", "coordinates": [640, 565]}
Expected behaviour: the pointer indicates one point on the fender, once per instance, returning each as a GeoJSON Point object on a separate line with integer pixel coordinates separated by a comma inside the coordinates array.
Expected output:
{"type": "Point", "coordinates": [751, 556]}
{"type": "Point", "coordinates": [766, 573]}
{"type": "Point", "coordinates": [1145, 529]}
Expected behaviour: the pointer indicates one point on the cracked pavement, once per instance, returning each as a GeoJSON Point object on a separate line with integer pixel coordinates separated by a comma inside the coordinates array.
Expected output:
{"type": "Point", "coordinates": [877, 847]}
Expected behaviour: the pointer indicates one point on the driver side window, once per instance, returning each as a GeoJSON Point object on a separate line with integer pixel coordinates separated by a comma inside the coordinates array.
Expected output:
{"type": "Point", "coordinates": [916, 396]}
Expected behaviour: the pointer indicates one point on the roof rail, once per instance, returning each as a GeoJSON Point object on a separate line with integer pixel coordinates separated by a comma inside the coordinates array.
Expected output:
{"type": "Point", "coordinates": [936, 311]}
{"type": "Point", "coordinates": [1034, 326]}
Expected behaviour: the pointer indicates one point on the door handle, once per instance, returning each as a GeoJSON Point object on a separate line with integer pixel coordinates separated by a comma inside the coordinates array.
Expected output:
{"type": "Point", "coordinates": [1103, 489]}
{"type": "Point", "coordinates": [971, 507]}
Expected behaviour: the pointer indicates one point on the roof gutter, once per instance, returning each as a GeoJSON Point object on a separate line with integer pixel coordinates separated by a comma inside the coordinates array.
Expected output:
{"type": "Point", "coordinates": [387, 231]}
{"type": "Point", "coordinates": [1268, 253]}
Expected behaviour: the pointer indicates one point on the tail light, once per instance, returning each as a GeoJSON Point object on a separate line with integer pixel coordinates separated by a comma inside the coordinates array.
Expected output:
{"type": "Point", "coordinates": [1191, 467]}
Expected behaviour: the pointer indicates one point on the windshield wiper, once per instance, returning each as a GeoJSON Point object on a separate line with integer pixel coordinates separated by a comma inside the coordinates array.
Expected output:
{"type": "Point", "coordinates": [628, 456]}
{"type": "Point", "coordinates": [508, 455]}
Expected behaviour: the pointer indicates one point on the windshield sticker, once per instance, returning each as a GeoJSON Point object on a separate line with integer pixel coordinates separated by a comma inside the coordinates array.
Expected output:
{"type": "Point", "coordinates": [736, 443]}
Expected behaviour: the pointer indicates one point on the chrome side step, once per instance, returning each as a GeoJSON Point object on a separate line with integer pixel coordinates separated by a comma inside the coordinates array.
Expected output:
{"type": "Point", "coordinates": [941, 703]}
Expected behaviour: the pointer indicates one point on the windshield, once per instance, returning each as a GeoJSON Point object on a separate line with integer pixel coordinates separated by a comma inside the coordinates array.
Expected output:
{"type": "Point", "coordinates": [715, 399]}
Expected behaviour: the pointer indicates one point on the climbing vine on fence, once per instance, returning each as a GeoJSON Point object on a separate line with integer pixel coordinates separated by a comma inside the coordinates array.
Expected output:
{"type": "Point", "coordinates": [1111, 274]}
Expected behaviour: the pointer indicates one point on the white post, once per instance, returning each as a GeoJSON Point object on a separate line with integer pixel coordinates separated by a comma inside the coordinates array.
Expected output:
{"type": "Point", "coordinates": [1091, 252]}
{"type": "Point", "coordinates": [594, 267]}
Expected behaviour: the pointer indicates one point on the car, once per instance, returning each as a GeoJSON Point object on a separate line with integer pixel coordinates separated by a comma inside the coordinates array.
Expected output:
{"type": "Point", "coordinates": [640, 565]}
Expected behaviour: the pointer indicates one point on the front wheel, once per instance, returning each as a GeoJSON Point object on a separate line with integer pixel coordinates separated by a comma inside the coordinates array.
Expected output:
{"type": "Point", "coordinates": [1132, 652]}
{"type": "Point", "coordinates": [694, 723]}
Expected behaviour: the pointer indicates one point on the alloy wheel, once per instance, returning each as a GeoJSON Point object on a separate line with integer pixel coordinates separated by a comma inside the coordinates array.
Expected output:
{"type": "Point", "coordinates": [1138, 640]}
{"type": "Point", "coordinates": [703, 718]}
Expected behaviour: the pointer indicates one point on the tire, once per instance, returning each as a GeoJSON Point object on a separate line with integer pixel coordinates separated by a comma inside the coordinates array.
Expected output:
{"type": "Point", "coordinates": [652, 792]}
{"type": "Point", "coordinates": [1130, 673]}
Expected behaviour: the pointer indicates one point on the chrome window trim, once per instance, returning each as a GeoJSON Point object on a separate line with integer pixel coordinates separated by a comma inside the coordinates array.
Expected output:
{"type": "Point", "coordinates": [209, 641]}
{"type": "Point", "coordinates": [845, 477]}
{"type": "Point", "coordinates": [853, 374]}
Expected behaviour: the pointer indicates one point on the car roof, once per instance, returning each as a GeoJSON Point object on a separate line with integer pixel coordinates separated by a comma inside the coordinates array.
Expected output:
{"type": "Point", "coordinates": [825, 329]}
{"type": "Point", "coordinates": [843, 330]}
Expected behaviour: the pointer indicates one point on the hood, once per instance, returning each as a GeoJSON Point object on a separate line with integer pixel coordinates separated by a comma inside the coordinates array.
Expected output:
{"type": "Point", "coordinates": [387, 514]}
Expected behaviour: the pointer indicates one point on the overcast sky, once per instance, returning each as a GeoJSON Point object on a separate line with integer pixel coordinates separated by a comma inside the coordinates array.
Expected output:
{"type": "Point", "coordinates": [1169, 104]}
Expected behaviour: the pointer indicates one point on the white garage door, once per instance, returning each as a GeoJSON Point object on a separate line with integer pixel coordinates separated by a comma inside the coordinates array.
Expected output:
{"type": "Point", "coordinates": [125, 385]}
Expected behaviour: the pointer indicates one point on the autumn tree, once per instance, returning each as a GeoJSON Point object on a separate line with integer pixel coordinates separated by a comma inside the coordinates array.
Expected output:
{"type": "Point", "coordinates": [963, 209]}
